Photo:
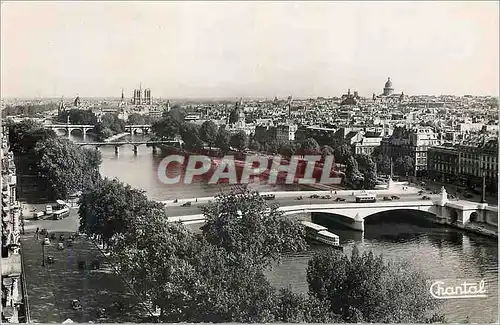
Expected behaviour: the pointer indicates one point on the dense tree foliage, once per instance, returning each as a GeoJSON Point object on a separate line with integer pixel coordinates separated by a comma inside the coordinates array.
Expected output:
{"type": "Point", "coordinates": [111, 208]}
{"type": "Point", "coordinates": [240, 223]}
{"type": "Point", "coordinates": [223, 139]}
{"type": "Point", "coordinates": [218, 275]}
{"type": "Point", "coordinates": [326, 151]}
{"type": "Point", "coordinates": [370, 176]}
{"type": "Point", "coordinates": [310, 147]}
{"type": "Point", "coordinates": [109, 125]}
{"type": "Point", "coordinates": [365, 288]}
{"type": "Point", "coordinates": [404, 166]}
{"type": "Point", "coordinates": [65, 168]}
{"type": "Point", "coordinates": [383, 164]}
{"type": "Point", "coordinates": [24, 136]}
{"type": "Point", "coordinates": [352, 169]}
{"type": "Point", "coordinates": [239, 140]}
{"type": "Point", "coordinates": [29, 110]}
{"type": "Point", "coordinates": [77, 116]}
{"type": "Point", "coordinates": [254, 145]}
{"type": "Point", "coordinates": [190, 134]}
{"type": "Point", "coordinates": [136, 118]}
{"type": "Point", "coordinates": [342, 153]}
{"type": "Point", "coordinates": [208, 133]}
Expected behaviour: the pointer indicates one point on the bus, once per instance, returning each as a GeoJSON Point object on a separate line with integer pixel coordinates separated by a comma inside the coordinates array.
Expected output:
{"type": "Point", "coordinates": [59, 214]}
{"type": "Point", "coordinates": [366, 198]}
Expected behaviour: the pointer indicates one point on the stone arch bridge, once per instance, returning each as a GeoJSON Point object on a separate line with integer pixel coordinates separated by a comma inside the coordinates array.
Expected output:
{"type": "Point", "coordinates": [457, 213]}
{"type": "Point", "coordinates": [84, 128]}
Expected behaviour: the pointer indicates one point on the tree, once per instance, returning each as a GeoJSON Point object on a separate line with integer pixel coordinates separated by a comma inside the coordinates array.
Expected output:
{"type": "Point", "coordinates": [111, 208]}
{"type": "Point", "coordinates": [352, 171]}
{"type": "Point", "coordinates": [364, 161]}
{"type": "Point", "coordinates": [365, 288]}
{"type": "Point", "coordinates": [239, 140]}
{"type": "Point", "coordinates": [310, 147]}
{"type": "Point", "coordinates": [288, 149]}
{"type": "Point", "coordinates": [370, 176]}
{"type": "Point", "coordinates": [109, 125]}
{"type": "Point", "coordinates": [24, 136]}
{"type": "Point", "coordinates": [326, 151]}
{"type": "Point", "coordinates": [190, 134]}
{"type": "Point", "coordinates": [136, 118]}
{"type": "Point", "coordinates": [254, 145]}
{"type": "Point", "coordinates": [404, 165]}
{"type": "Point", "coordinates": [244, 225]}
{"type": "Point", "coordinates": [342, 153]}
{"type": "Point", "coordinates": [383, 164]}
{"type": "Point", "coordinates": [78, 116]}
{"type": "Point", "coordinates": [223, 139]}
{"type": "Point", "coordinates": [208, 133]}
{"type": "Point", "coordinates": [167, 127]}
{"type": "Point", "coordinates": [65, 168]}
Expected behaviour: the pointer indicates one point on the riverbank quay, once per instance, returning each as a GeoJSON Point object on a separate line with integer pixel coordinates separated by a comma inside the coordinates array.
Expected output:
{"type": "Point", "coordinates": [52, 287]}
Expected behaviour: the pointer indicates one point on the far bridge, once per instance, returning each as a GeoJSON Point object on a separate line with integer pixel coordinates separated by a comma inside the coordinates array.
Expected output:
{"type": "Point", "coordinates": [84, 128]}
{"type": "Point", "coordinates": [117, 144]}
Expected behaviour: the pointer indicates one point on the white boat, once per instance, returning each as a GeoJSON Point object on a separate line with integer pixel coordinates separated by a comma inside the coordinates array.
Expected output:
{"type": "Point", "coordinates": [321, 234]}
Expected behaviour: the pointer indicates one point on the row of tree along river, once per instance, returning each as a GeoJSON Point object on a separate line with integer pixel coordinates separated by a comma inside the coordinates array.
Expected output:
{"type": "Point", "coordinates": [443, 253]}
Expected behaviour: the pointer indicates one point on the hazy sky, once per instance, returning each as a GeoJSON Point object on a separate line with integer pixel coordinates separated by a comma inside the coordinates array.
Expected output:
{"type": "Point", "coordinates": [233, 49]}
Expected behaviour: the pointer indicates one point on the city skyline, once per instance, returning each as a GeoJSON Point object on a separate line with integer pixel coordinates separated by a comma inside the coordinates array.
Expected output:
{"type": "Point", "coordinates": [250, 50]}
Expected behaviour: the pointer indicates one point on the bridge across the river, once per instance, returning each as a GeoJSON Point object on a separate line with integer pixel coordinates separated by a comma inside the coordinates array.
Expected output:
{"type": "Point", "coordinates": [134, 144]}
{"type": "Point", "coordinates": [353, 214]}
{"type": "Point", "coordinates": [84, 128]}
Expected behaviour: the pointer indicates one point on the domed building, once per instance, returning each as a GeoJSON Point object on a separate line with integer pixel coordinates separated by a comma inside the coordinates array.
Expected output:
{"type": "Point", "coordinates": [388, 94]}
{"type": "Point", "coordinates": [388, 90]}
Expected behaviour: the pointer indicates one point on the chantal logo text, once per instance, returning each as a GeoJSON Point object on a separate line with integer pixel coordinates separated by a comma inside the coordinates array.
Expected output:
{"type": "Point", "coordinates": [455, 289]}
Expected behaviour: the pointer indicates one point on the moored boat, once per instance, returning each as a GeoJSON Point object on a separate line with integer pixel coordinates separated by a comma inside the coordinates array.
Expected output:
{"type": "Point", "coordinates": [321, 234]}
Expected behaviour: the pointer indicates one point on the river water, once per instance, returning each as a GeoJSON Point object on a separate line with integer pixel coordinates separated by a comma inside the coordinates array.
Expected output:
{"type": "Point", "coordinates": [441, 252]}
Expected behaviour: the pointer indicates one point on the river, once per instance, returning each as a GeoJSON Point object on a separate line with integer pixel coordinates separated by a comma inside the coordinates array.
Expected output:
{"type": "Point", "coordinates": [441, 252]}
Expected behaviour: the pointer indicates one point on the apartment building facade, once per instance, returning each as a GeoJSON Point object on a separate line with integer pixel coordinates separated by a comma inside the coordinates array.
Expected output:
{"type": "Point", "coordinates": [12, 307]}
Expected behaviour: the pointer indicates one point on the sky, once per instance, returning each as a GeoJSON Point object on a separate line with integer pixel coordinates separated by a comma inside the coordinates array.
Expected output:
{"type": "Point", "coordinates": [248, 49]}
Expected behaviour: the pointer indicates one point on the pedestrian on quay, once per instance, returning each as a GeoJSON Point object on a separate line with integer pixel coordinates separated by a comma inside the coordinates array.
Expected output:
{"type": "Point", "coordinates": [37, 232]}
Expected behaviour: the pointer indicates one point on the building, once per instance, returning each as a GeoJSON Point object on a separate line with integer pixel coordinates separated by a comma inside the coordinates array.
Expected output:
{"type": "Point", "coordinates": [443, 163]}
{"type": "Point", "coordinates": [466, 163]}
{"type": "Point", "coordinates": [12, 303]}
{"type": "Point", "coordinates": [478, 157]}
{"type": "Point", "coordinates": [323, 136]}
{"type": "Point", "coordinates": [142, 97]}
{"type": "Point", "coordinates": [412, 142]}
{"type": "Point", "coordinates": [388, 94]}
{"type": "Point", "coordinates": [388, 90]}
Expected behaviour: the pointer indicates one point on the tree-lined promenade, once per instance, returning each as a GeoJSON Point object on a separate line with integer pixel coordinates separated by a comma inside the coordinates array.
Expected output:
{"type": "Point", "coordinates": [219, 275]}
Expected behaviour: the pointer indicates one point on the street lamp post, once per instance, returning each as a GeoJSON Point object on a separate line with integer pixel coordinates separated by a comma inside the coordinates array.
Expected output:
{"type": "Point", "coordinates": [43, 253]}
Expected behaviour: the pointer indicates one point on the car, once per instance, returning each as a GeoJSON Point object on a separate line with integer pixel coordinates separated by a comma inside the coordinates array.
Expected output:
{"type": "Point", "coordinates": [187, 204]}
{"type": "Point", "coordinates": [386, 198]}
{"type": "Point", "coordinates": [268, 196]}
{"type": "Point", "coordinates": [420, 192]}
{"type": "Point", "coordinates": [101, 313]}
{"type": "Point", "coordinates": [425, 197]}
{"type": "Point", "coordinates": [75, 304]}
{"type": "Point", "coordinates": [46, 241]}
{"type": "Point", "coordinates": [340, 199]}
{"type": "Point", "coordinates": [48, 209]}
{"type": "Point", "coordinates": [314, 196]}
{"type": "Point", "coordinates": [395, 197]}
{"type": "Point", "coordinates": [327, 197]}
{"type": "Point", "coordinates": [299, 197]}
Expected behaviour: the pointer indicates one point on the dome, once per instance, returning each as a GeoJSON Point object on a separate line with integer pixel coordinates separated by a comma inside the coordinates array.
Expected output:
{"type": "Point", "coordinates": [388, 84]}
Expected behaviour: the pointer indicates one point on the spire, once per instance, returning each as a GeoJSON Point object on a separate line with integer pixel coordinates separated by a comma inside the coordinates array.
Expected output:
{"type": "Point", "coordinates": [123, 96]}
